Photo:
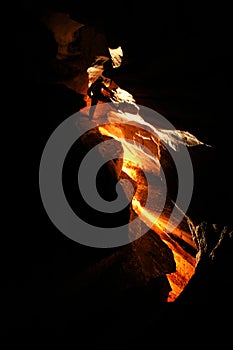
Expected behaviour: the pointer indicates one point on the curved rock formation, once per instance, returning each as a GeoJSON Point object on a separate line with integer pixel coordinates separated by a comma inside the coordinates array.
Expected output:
{"type": "Point", "coordinates": [93, 55]}
{"type": "Point", "coordinates": [116, 296]}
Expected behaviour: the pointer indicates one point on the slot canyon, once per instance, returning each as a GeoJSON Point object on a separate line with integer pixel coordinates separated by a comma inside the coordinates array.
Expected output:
{"type": "Point", "coordinates": [161, 65]}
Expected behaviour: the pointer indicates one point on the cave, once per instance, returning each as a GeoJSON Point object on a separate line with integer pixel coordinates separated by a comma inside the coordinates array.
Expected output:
{"type": "Point", "coordinates": [172, 65]}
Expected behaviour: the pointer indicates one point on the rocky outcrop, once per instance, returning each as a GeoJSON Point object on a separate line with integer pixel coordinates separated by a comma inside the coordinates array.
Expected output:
{"type": "Point", "coordinates": [212, 282]}
{"type": "Point", "coordinates": [81, 47]}
{"type": "Point", "coordinates": [144, 263]}
{"type": "Point", "coordinates": [78, 45]}
{"type": "Point", "coordinates": [66, 33]}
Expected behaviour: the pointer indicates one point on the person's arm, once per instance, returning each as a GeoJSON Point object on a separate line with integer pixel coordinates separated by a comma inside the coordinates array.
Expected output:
{"type": "Point", "coordinates": [90, 92]}
{"type": "Point", "coordinates": [106, 91]}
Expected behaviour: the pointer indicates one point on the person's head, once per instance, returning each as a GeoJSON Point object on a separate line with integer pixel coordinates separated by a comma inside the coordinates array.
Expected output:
{"type": "Point", "coordinates": [100, 79]}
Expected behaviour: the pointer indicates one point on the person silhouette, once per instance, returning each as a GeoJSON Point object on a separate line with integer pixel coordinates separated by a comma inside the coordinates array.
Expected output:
{"type": "Point", "coordinates": [98, 91]}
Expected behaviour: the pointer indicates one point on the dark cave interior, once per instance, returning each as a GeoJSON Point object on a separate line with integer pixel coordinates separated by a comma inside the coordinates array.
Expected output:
{"type": "Point", "coordinates": [177, 61]}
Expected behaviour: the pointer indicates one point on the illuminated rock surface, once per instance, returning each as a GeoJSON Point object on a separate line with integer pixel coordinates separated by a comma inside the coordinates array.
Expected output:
{"type": "Point", "coordinates": [70, 284]}
{"type": "Point", "coordinates": [152, 138]}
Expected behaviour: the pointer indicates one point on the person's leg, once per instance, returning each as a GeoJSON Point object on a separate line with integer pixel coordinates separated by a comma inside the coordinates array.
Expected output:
{"type": "Point", "coordinates": [92, 108]}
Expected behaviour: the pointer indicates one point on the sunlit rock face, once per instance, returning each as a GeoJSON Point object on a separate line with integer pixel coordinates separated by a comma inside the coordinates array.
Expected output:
{"type": "Point", "coordinates": [161, 251]}
{"type": "Point", "coordinates": [145, 263]}
{"type": "Point", "coordinates": [164, 258]}
{"type": "Point", "coordinates": [143, 152]}
{"type": "Point", "coordinates": [116, 56]}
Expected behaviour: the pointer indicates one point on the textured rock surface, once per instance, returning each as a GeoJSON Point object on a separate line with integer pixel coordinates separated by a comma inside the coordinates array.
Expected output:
{"type": "Point", "coordinates": [212, 282]}
{"type": "Point", "coordinates": [66, 33]}
{"type": "Point", "coordinates": [135, 265]}
{"type": "Point", "coordinates": [187, 81]}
